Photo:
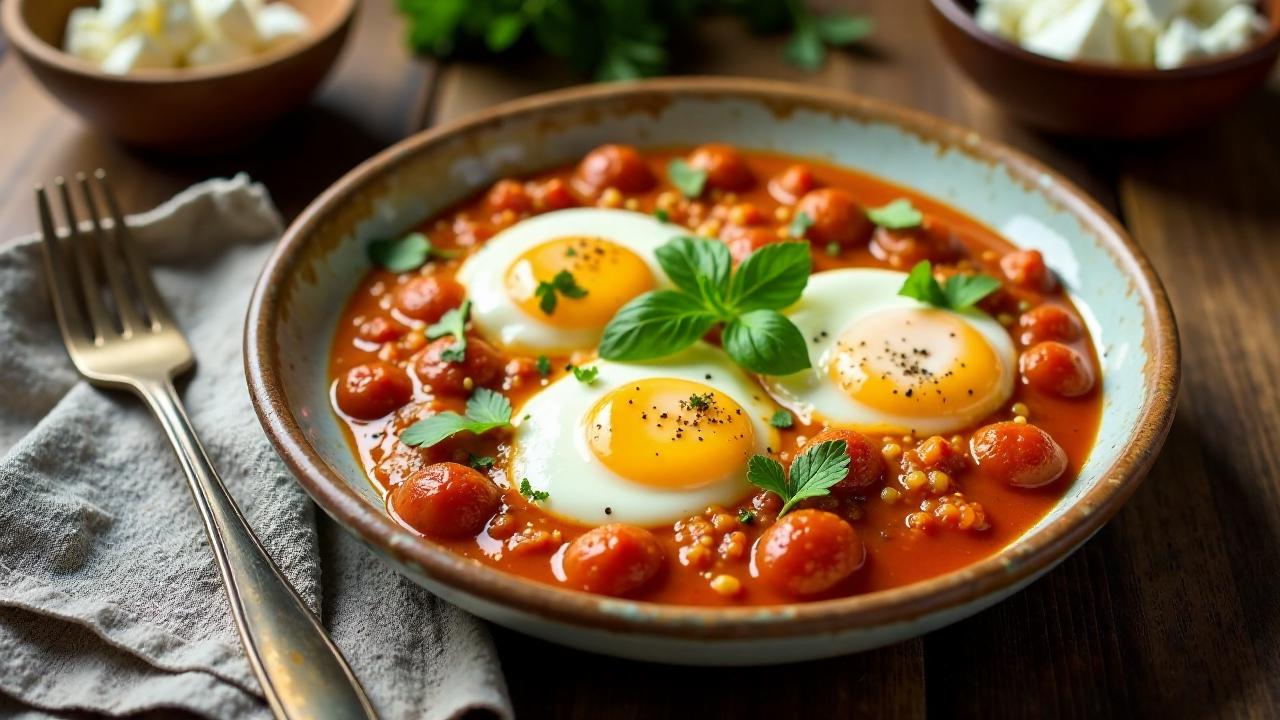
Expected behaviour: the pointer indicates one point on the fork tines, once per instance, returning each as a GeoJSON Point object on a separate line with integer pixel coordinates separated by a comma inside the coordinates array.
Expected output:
{"type": "Point", "coordinates": [78, 257]}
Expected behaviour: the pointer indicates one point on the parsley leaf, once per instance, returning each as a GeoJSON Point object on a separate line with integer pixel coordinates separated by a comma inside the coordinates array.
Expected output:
{"type": "Point", "coordinates": [782, 419]}
{"type": "Point", "coordinates": [746, 517]}
{"type": "Point", "coordinates": [897, 215]}
{"type": "Point", "coordinates": [813, 473]}
{"type": "Point", "coordinates": [662, 215]}
{"type": "Point", "coordinates": [960, 292]}
{"type": "Point", "coordinates": [479, 462]}
{"type": "Point", "coordinates": [486, 410]}
{"type": "Point", "coordinates": [452, 323]}
{"type": "Point", "coordinates": [800, 224]}
{"type": "Point", "coordinates": [563, 284]}
{"type": "Point", "coordinates": [544, 365]}
{"type": "Point", "coordinates": [840, 29]}
{"type": "Point", "coordinates": [585, 375]}
{"type": "Point", "coordinates": [408, 253]}
{"type": "Point", "coordinates": [530, 494]}
{"type": "Point", "coordinates": [833, 249]}
{"type": "Point", "coordinates": [687, 179]}
{"type": "Point", "coordinates": [710, 291]}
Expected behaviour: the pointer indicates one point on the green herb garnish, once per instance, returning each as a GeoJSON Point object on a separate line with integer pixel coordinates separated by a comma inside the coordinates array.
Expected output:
{"type": "Point", "coordinates": [479, 462]}
{"type": "Point", "coordinates": [585, 375]}
{"type": "Point", "coordinates": [452, 323]}
{"type": "Point", "coordinates": [782, 420]}
{"type": "Point", "coordinates": [746, 517]}
{"type": "Point", "coordinates": [813, 473]}
{"type": "Point", "coordinates": [897, 215]}
{"type": "Point", "coordinates": [699, 402]}
{"type": "Point", "coordinates": [688, 179]}
{"type": "Point", "coordinates": [662, 215]}
{"type": "Point", "coordinates": [486, 410]}
{"type": "Point", "coordinates": [959, 292]}
{"type": "Point", "coordinates": [833, 249]}
{"type": "Point", "coordinates": [544, 365]}
{"type": "Point", "coordinates": [562, 284]}
{"type": "Point", "coordinates": [408, 253]}
{"type": "Point", "coordinates": [530, 494]}
{"type": "Point", "coordinates": [710, 291]}
{"type": "Point", "coordinates": [620, 40]}
{"type": "Point", "coordinates": [800, 225]}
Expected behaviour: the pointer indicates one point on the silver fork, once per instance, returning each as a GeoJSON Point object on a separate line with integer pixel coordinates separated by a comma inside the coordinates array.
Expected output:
{"type": "Point", "coordinates": [120, 335]}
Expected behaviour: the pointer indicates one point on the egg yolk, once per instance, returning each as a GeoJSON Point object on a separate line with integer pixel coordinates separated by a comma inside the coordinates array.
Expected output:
{"type": "Point", "coordinates": [916, 363]}
{"type": "Point", "coordinates": [603, 276]}
{"type": "Point", "coordinates": [670, 434]}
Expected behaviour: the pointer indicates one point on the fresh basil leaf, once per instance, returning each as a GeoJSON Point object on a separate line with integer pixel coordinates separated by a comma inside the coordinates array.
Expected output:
{"type": "Point", "coordinates": [805, 49]}
{"type": "Point", "coordinates": [685, 259]}
{"type": "Point", "coordinates": [654, 325]}
{"type": "Point", "coordinates": [897, 215]}
{"type": "Point", "coordinates": [433, 429]}
{"type": "Point", "coordinates": [782, 420]}
{"type": "Point", "coordinates": [767, 474]}
{"type": "Point", "coordinates": [686, 178]}
{"type": "Point", "coordinates": [841, 29]}
{"type": "Point", "coordinates": [504, 31]}
{"type": "Point", "coordinates": [964, 291]}
{"type": "Point", "coordinates": [921, 285]}
{"type": "Point", "coordinates": [815, 471]}
{"type": "Point", "coordinates": [489, 407]}
{"type": "Point", "coordinates": [765, 342]}
{"type": "Point", "coordinates": [771, 278]}
{"type": "Point", "coordinates": [453, 322]}
{"type": "Point", "coordinates": [408, 253]}
{"type": "Point", "coordinates": [800, 224]}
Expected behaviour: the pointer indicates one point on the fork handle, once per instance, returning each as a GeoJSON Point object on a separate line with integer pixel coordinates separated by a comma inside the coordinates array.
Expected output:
{"type": "Point", "coordinates": [302, 673]}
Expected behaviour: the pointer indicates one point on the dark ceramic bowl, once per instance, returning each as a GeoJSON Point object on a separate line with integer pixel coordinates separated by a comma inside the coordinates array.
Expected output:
{"type": "Point", "coordinates": [1102, 101]}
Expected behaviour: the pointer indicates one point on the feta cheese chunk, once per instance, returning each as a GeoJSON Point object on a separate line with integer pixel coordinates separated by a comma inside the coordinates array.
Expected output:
{"type": "Point", "coordinates": [229, 20]}
{"type": "Point", "coordinates": [179, 27]}
{"type": "Point", "coordinates": [1087, 32]}
{"type": "Point", "coordinates": [278, 23]}
{"type": "Point", "coordinates": [1178, 44]}
{"type": "Point", "coordinates": [86, 37]}
{"type": "Point", "coordinates": [137, 52]}
{"type": "Point", "coordinates": [216, 51]}
{"type": "Point", "coordinates": [1159, 12]}
{"type": "Point", "coordinates": [1232, 31]}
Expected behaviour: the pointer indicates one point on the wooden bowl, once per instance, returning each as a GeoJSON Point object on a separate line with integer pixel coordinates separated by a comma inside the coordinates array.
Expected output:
{"type": "Point", "coordinates": [183, 109]}
{"type": "Point", "coordinates": [1102, 101]}
{"type": "Point", "coordinates": [323, 255]}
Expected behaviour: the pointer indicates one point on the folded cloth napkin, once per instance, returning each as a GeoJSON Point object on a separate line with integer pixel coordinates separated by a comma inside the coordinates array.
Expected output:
{"type": "Point", "coordinates": [109, 600]}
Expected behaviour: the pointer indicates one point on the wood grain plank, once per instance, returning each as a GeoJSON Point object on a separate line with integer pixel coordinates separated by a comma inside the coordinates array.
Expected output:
{"type": "Point", "coordinates": [373, 98]}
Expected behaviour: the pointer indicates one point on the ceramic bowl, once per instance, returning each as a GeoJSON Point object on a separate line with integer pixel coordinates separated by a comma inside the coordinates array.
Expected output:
{"type": "Point", "coordinates": [322, 256]}
{"type": "Point", "coordinates": [1102, 101]}
{"type": "Point", "coordinates": [186, 110]}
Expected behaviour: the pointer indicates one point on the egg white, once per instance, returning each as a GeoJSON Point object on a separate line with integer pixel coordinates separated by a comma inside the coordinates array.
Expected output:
{"type": "Point", "coordinates": [499, 319]}
{"type": "Point", "coordinates": [836, 300]}
{"type": "Point", "coordinates": [551, 446]}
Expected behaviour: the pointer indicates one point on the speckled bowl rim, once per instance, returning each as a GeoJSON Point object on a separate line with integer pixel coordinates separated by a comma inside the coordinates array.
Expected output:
{"type": "Point", "coordinates": [14, 22]}
{"type": "Point", "coordinates": [1018, 563]}
{"type": "Point", "coordinates": [1268, 45]}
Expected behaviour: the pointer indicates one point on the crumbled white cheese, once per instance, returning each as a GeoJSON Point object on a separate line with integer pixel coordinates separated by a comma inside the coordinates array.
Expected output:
{"type": "Point", "coordinates": [1154, 33]}
{"type": "Point", "coordinates": [125, 35]}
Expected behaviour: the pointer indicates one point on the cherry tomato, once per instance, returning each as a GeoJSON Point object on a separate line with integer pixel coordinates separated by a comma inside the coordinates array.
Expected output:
{"type": "Point", "coordinates": [1054, 368]}
{"type": "Point", "coordinates": [445, 500]}
{"type": "Point", "coordinates": [725, 167]}
{"type": "Point", "coordinates": [807, 552]}
{"type": "Point", "coordinates": [553, 194]}
{"type": "Point", "coordinates": [743, 241]}
{"type": "Point", "coordinates": [792, 184]}
{"type": "Point", "coordinates": [1021, 455]}
{"type": "Point", "coordinates": [369, 391]}
{"type": "Point", "coordinates": [613, 560]}
{"type": "Point", "coordinates": [866, 465]}
{"type": "Point", "coordinates": [835, 216]}
{"type": "Point", "coordinates": [1048, 322]}
{"type": "Point", "coordinates": [613, 166]}
{"type": "Point", "coordinates": [1026, 269]}
{"type": "Point", "coordinates": [509, 195]}
{"type": "Point", "coordinates": [379, 329]}
{"type": "Point", "coordinates": [427, 298]}
{"type": "Point", "coordinates": [482, 363]}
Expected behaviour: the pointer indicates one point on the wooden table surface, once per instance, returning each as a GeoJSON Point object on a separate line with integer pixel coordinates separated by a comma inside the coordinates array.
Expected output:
{"type": "Point", "coordinates": [1170, 610]}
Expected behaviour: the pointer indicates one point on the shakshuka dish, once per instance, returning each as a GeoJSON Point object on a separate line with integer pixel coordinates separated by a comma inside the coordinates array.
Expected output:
{"type": "Point", "coordinates": [714, 377]}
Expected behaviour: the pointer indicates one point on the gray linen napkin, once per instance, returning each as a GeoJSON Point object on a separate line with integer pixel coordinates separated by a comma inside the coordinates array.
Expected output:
{"type": "Point", "coordinates": [109, 601]}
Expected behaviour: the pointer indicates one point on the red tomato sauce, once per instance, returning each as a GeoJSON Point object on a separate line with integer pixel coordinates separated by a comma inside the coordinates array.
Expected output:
{"type": "Point", "coordinates": [904, 543]}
